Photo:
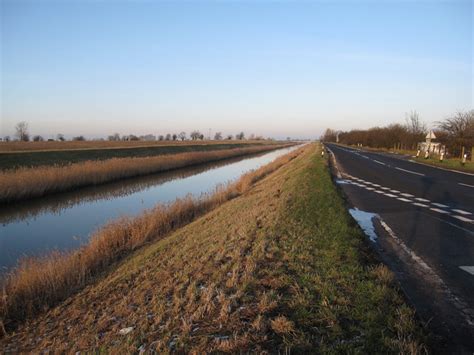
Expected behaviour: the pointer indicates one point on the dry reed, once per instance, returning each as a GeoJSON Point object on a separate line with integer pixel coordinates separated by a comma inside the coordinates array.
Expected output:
{"type": "Point", "coordinates": [39, 283]}
{"type": "Point", "coordinates": [24, 183]}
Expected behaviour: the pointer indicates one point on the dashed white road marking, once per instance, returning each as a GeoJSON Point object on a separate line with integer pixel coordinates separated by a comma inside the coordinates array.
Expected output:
{"type": "Point", "coordinates": [464, 219]}
{"type": "Point", "coordinates": [390, 195]}
{"type": "Point", "coordinates": [409, 171]}
{"type": "Point", "coordinates": [379, 192]}
{"type": "Point", "coordinates": [376, 185]}
{"type": "Point", "coordinates": [385, 188]}
{"type": "Point", "coordinates": [395, 191]}
{"type": "Point", "coordinates": [420, 204]}
{"type": "Point", "coordinates": [469, 269]}
{"type": "Point", "coordinates": [460, 183]}
{"type": "Point", "coordinates": [422, 199]}
{"type": "Point", "coordinates": [407, 195]}
{"type": "Point", "coordinates": [439, 205]}
{"type": "Point", "coordinates": [439, 211]}
{"type": "Point", "coordinates": [461, 212]}
{"type": "Point", "coordinates": [403, 199]}
{"type": "Point", "coordinates": [379, 162]}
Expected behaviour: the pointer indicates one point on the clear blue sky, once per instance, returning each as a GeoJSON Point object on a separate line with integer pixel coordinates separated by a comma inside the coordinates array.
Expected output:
{"type": "Point", "coordinates": [272, 68]}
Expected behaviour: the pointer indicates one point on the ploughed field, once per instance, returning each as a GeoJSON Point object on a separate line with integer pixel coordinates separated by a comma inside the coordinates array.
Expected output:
{"type": "Point", "coordinates": [272, 263]}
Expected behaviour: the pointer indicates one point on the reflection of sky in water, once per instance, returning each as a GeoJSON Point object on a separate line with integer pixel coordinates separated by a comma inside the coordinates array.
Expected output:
{"type": "Point", "coordinates": [72, 225]}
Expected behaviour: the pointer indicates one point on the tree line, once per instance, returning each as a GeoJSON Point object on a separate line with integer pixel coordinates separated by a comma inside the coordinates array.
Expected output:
{"type": "Point", "coordinates": [22, 133]}
{"type": "Point", "coordinates": [455, 132]}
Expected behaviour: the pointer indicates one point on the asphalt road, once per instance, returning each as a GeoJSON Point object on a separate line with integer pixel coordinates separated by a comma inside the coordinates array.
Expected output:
{"type": "Point", "coordinates": [425, 228]}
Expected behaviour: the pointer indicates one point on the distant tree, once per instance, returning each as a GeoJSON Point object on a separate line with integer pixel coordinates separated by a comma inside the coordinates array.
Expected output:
{"type": "Point", "coordinates": [114, 137]}
{"type": "Point", "coordinates": [6, 138]}
{"type": "Point", "coordinates": [229, 137]}
{"type": "Point", "coordinates": [252, 137]}
{"type": "Point", "coordinates": [218, 136]}
{"type": "Point", "coordinates": [168, 137]}
{"type": "Point", "coordinates": [182, 136]}
{"type": "Point", "coordinates": [459, 131]}
{"type": "Point", "coordinates": [38, 138]}
{"type": "Point", "coordinates": [175, 136]}
{"type": "Point", "coordinates": [240, 136]}
{"type": "Point", "coordinates": [22, 132]}
{"type": "Point", "coordinates": [60, 137]}
{"type": "Point", "coordinates": [79, 138]}
{"type": "Point", "coordinates": [132, 137]}
{"type": "Point", "coordinates": [195, 135]}
{"type": "Point", "coordinates": [161, 137]}
{"type": "Point", "coordinates": [201, 136]}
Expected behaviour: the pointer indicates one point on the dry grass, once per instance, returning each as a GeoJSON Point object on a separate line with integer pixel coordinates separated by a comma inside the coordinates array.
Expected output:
{"type": "Point", "coordinates": [38, 283]}
{"type": "Point", "coordinates": [24, 183]}
{"type": "Point", "coordinates": [80, 145]}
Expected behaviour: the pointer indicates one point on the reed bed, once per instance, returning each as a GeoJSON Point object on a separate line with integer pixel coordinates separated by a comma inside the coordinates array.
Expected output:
{"type": "Point", "coordinates": [39, 283]}
{"type": "Point", "coordinates": [24, 183]}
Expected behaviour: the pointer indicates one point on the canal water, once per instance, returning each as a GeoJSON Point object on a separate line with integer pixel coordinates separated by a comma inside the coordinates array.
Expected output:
{"type": "Point", "coordinates": [65, 221]}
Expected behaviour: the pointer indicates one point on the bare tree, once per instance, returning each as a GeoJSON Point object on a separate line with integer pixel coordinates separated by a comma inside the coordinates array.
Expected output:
{"type": "Point", "coordinates": [6, 138]}
{"type": "Point", "coordinates": [229, 137]}
{"type": "Point", "coordinates": [22, 131]}
{"type": "Point", "coordinates": [38, 138]}
{"type": "Point", "coordinates": [79, 138]}
{"type": "Point", "coordinates": [459, 130]}
{"type": "Point", "coordinates": [114, 137]}
{"type": "Point", "coordinates": [168, 137]}
{"type": "Point", "coordinates": [195, 135]}
{"type": "Point", "coordinates": [218, 136]}
{"type": "Point", "coordinates": [175, 136]}
{"type": "Point", "coordinates": [182, 136]}
{"type": "Point", "coordinates": [240, 136]}
{"type": "Point", "coordinates": [60, 137]}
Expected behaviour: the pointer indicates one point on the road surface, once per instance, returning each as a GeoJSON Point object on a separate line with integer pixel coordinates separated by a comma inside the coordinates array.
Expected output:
{"type": "Point", "coordinates": [423, 227]}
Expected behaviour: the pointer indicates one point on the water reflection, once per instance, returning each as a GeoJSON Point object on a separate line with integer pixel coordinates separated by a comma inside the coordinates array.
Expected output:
{"type": "Point", "coordinates": [66, 220]}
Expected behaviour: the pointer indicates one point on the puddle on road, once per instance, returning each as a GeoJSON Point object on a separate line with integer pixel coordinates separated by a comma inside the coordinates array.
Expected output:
{"type": "Point", "coordinates": [365, 221]}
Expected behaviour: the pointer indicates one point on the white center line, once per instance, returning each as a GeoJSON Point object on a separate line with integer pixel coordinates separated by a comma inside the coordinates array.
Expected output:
{"type": "Point", "coordinates": [403, 199]}
{"type": "Point", "coordinates": [422, 199]}
{"type": "Point", "coordinates": [439, 211]}
{"type": "Point", "coordinates": [409, 171]}
{"type": "Point", "coordinates": [464, 219]}
{"type": "Point", "coordinates": [469, 269]}
{"type": "Point", "coordinates": [460, 183]}
{"type": "Point", "coordinates": [379, 162]}
{"type": "Point", "coordinates": [407, 195]}
{"type": "Point", "coordinates": [440, 205]}
{"type": "Point", "coordinates": [420, 204]}
{"type": "Point", "coordinates": [461, 211]}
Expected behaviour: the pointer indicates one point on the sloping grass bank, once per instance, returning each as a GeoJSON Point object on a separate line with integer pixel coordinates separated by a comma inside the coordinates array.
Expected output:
{"type": "Point", "coordinates": [24, 183]}
{"type": "Point", "coordinates": [281, 268]}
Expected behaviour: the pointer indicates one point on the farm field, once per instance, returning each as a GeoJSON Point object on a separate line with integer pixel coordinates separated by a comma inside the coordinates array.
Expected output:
{"type": "Point", "coordinates": [278, 266]}
{"type": "Point", "coordinates": [32, 154]}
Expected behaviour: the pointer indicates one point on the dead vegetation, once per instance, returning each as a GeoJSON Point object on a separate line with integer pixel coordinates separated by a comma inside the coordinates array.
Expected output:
{"type": "Point", "coordinates": [24, 183]}
{"type": "Point", "coordinates": [279, 269]}
{"type": "Point", "coordinates": [42, 282]}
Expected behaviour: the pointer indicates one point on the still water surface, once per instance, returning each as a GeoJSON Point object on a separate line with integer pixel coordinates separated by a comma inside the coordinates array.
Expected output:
{"type": "Point", "coordinates": [65, 221]}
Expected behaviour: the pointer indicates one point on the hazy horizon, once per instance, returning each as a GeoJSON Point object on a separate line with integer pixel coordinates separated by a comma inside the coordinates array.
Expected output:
{"type": "Point", "coordinates": [274, 69]}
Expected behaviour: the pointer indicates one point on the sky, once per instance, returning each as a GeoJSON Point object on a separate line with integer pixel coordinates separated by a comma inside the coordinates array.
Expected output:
{"type": "Point", "coordinates": [272, 68]}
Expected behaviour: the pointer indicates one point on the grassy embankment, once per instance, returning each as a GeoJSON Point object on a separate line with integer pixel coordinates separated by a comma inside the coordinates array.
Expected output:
{"type": "Point", "coordinates": [24, 183]}
{"type": "Point", "coordinates": [282, 267]}
{"type": "Point", "coordinates": [33, 154]}
{"type": "Point", "coordinates": [450, 163]}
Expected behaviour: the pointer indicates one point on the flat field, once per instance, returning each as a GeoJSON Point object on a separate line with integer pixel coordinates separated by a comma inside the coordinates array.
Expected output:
{"type": "Point", "coordinates": [32, 154]}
